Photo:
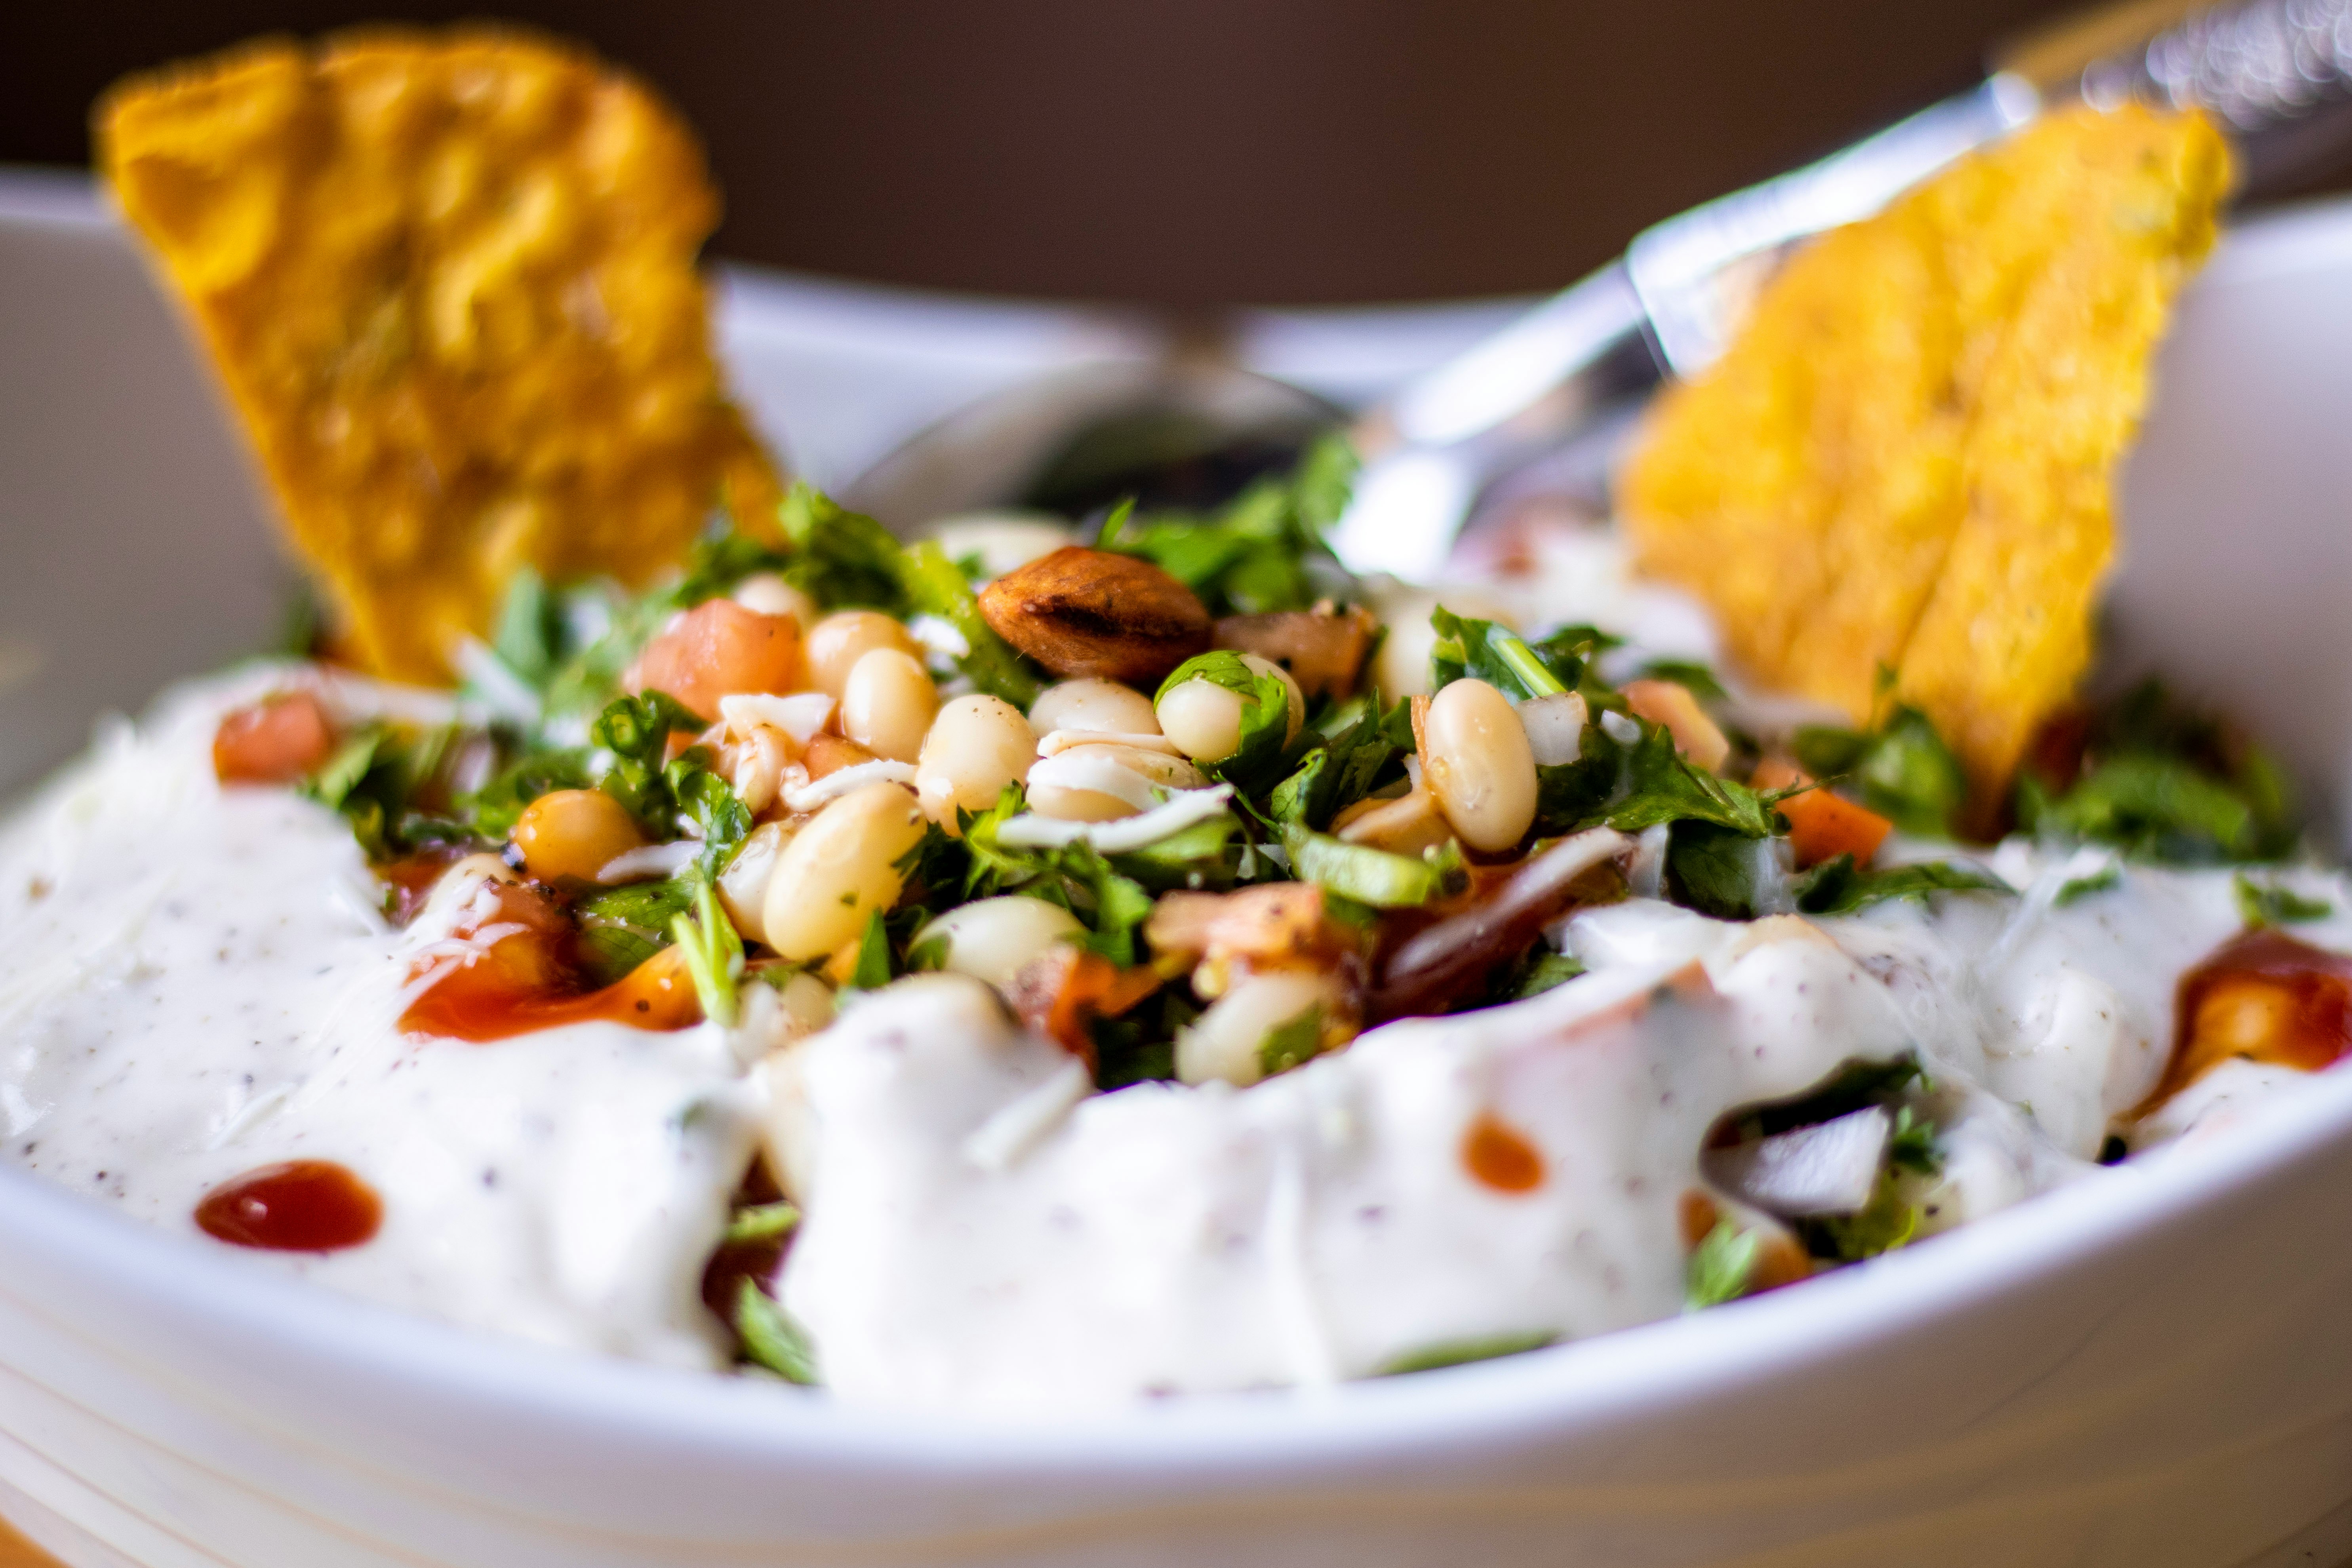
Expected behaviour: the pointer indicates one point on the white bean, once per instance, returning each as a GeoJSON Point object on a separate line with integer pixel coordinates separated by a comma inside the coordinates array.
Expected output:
{"type": "Point", "coordinates": [743, 886]}
{"type": "Point", "coordinates": [976, 746]}
{"type": "Point", "coordinates": [1102, 706]}
{"type": "Point", "coordinates": [1070, 800]}
{"type": "Point", "coordinates": [887, 704]}
{"type": "Point", "coordinates": [792, 1009]}
{"type": "Point", "coordinates": [836, 643]}
{"type": "Point", "coordinates": [1204, 718]}
{"type": "Point", "coordinates": [771, 596]}
{"type": "Point", "coordinates": [993, 940]}
{"type": "Point", "coordinates": [1225, 1042]}
{"type": "Point", "coordinates": [761, 754]}
{"type": "Point", "coordinates": [839, 869]}
{"type": "Point", "coordinates": [1479, 765]}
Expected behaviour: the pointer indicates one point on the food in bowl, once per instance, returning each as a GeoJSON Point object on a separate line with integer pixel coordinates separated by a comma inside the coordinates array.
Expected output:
{"type": "Point", "coordinates": [1061, 961]}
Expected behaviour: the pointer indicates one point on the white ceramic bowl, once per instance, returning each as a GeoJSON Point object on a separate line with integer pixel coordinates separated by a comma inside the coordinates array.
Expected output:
{"type": "Point", "coordinates": [2149, 1371]}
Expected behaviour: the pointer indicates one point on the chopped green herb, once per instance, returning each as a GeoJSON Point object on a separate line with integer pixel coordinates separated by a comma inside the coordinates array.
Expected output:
{"type": "Point", "coordinates": [1719, 1267]}
{"type": "Point", "coordinates": [1654, 784]}
{"type": "Point", "coordinates": [620, 927]}
{"type": "Point", "coordinates": [1462, 1353]}
{"type": "Point", "coordinates": [1903, 769]}
{"type": "Point", "coordinates": [1202, 858]}
{"type": "Point", "coordinates": [1345, 769]}
{"type": "Point", "coordinates": [772, 1337]}
{"type": "Point", "coordinates": [1291, 1043]}
{"type": "Point", "coordinates": [2076, 890]}
{"type": "Point", "coordinates": [1494, 654]}
{"type": "Point", "coordinates": [935, 585]}
{"type": "Point", "coordinates": [494, 809]}
{"type": "Point", "coordinates": [637, 731]}
{"type": "Point", "coordinates": [1717, 870]}
{"type": "Point", "coordinates": [714, 954]}
{"type": "Point", "coordinates": [1265, 715]}
{"type": "Point", "coordinates": [1911, 1144]}
{"type": "Point", "coordinates": [1545, 971]}
{"type": "Point", "coordinates": [872, 971]}
{"type": "Point", "coordinates": [2269, 904]}
{"type": "Point", "coordinates": [1835, 886]}
{"type": "Point", "coordinates": [841, 558]}
{"type": "Point", "coordinates": [1360, 872]}
{"type": "Point", "coordinates": [2162, 782]}
{"type": "Point", "coordinates": [1889, 1222]}
{"type": "Point", "coordinates": [709, 803]}
{"type": "Point", "coordinates": [1263, 550]}
{"type": "Point", "coordinates": [762, 1222]}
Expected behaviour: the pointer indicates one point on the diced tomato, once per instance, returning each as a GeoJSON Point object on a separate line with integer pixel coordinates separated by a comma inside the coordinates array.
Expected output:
{"type": "Point", "coordinates": [828, 753]}
{"type": "Point", "coordinates": [1821, 826]}
{"type": "Point", "coordinates": [1061, 994]}
{"type": "Point", "coordinates": [718, 650]}
{"type": "Point", "coordinates": [279, 740]}
{"type": "Point", "coordinates": [1669, 703]}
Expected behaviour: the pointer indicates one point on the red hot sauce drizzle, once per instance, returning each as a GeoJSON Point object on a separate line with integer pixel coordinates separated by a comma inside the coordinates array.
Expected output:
{"type": "Point", "coordinates": [304, 1205]}
{"type": "Point", "coordinates": [2260, 997]}
{"type": "Point", "coordinates": [529, 980]}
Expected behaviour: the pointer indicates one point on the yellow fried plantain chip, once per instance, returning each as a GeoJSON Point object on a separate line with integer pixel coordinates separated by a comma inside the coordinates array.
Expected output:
{"type": "Point", "coordinates": [449, 282]}
{"type": "Point", "coordinates": [1905, 462]}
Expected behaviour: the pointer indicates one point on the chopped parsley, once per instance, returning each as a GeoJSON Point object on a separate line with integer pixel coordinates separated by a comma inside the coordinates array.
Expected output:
{"type": "Point", "coordinates": [1719, 1267]}
{"type": "Point", "coordinates": [2270, 904]}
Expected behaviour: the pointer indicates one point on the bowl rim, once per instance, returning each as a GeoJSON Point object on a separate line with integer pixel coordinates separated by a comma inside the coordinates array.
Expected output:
{"type": "Point", "coordinates": [1585, 1384]}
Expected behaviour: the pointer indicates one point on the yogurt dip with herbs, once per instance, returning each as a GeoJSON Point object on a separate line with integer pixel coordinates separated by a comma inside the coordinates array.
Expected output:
{"type": "Point", "coordinates": [1017, 972]}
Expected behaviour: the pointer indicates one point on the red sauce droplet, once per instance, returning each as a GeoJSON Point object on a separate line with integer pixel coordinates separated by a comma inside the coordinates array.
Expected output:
{"type": "Point", "coordinates": [2264, 997]}
{"type": "Point", "coordinates": [1501, 1158]}
{"type": "Point", "coordinates": [304, 1205]}
{"type": "Point", "coordinates": [528, 981]}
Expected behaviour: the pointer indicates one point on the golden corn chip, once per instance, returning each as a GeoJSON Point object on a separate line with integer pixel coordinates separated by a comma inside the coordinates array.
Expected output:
{"type": "Point", "coordinates": [1906, 460]}
{"type": "Point", "coordinates": [449, 282]}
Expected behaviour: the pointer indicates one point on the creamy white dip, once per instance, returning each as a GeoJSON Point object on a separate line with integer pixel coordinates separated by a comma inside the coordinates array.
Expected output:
{"type": "Point", "coordinates": [200, 983]}
{"type": "Point", "coordinates": [1325, 1223]}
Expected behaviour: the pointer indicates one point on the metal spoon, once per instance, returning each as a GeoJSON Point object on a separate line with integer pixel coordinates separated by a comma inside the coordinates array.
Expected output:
{"type": "Point", "coordinates": [2277, 73]}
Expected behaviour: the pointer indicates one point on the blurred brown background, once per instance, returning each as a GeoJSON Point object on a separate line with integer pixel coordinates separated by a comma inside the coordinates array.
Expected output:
{"type": "Point", "coordinates": [1180, 151]}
